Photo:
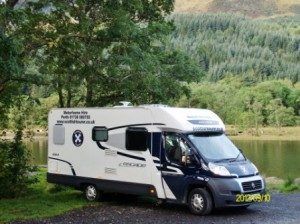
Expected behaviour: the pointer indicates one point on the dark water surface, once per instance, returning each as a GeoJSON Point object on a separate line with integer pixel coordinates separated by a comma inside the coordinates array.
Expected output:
{"type": "Point", "coordinates": [272, 158]}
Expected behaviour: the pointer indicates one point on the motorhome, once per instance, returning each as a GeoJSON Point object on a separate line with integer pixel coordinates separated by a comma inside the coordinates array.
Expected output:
{"type": "Point", "coordinates": [177, 155]}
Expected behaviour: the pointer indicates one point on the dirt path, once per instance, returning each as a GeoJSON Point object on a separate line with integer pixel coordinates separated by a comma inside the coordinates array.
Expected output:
{"type": "Point", "coordinates": [283, 208]}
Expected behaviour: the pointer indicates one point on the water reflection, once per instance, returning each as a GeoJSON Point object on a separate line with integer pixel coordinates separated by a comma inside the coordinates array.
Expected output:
{"type": "Point", "coordinates": [272, 158]}
{"type": "Point", "coordinates": [38, 149]}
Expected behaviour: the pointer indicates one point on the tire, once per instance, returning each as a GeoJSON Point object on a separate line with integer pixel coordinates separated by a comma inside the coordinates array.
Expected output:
{"type": "Point", "coordinates": [91, 193]}
{"type": "Point", "coordinates": [200, 202]}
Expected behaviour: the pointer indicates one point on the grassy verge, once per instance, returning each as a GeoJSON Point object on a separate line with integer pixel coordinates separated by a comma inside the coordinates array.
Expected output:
{"type": "Point", "coordinates": [264, 133]}
{"type": "Point", "coordinates": [290, 186]}
{"type": "Point", "coordinates": [43, 200]}
{"type": "Point", "coordinates": [283, 186]}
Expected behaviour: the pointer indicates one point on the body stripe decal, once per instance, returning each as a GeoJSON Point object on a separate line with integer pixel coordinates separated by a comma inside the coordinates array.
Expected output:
{"type": "Point", "coordinates": [100, 146]}
{"type": "Point", "coordinates": [131, 156]}
{"type": "Point", "coordinates": [133, 125]}
{"type": "Point", "coordinates": [70, 164]}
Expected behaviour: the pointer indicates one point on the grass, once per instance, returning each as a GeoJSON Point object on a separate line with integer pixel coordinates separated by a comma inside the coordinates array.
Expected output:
{"type": "Point", "coordinates": [264, 133]}
{"type": "Point", "coordinates": [43, 200]}
{"type": "Point", "coordinates": [290, 186]}
{"type": "Point", "coordinates": [48, 200]}
{"type": "Point", "coordinates": [282, 186]}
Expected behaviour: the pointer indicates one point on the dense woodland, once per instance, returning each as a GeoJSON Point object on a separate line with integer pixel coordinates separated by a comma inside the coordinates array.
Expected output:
{"type": "Point", "coordinates": [225, 44]}
{"type": "Point", "coordinates": [252, 67]}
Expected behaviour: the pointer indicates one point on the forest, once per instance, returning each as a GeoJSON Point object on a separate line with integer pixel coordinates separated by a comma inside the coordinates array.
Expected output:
{"type": "Point", "coordinates": [251, 67]}
{"type": "Point", "coordinates": [228, 44]}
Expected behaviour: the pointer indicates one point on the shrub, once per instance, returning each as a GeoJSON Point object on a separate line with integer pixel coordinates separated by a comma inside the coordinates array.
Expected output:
{"type": "Point", "coordinates": [290, 186]}
{"type": "Point", "coordinates": [15, 171]}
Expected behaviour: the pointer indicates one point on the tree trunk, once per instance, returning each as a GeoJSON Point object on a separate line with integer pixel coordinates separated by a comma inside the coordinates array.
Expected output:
{"type": "Point", "coordinates": [60, 92]}
{"type": "Point", "coordinates": [69, 91]}
{"type": "Point", "coordinates": [89, 93]}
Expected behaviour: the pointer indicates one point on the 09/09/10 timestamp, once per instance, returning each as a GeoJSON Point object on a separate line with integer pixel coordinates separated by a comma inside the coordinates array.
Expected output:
{"type": "Point", "coordinates": [253, 198]}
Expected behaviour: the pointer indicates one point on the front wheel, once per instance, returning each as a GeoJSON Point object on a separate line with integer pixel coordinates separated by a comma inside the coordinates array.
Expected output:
{"type": "Point", "coordinates": [200, 202]}
{"type": "Point", "coordinates": [91, 193]}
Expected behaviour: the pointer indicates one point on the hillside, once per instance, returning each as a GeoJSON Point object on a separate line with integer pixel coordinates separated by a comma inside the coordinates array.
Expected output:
{"type": "Point", "coordinates": [233, 45]}
{"type": "Point", "coordinates": [251, 8]}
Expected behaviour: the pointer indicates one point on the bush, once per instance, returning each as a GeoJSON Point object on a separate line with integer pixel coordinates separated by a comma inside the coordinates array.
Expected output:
{"type": "Point", "coordinates": [15, 171]}
{"type": "Point", "coordinates": [290, 186]}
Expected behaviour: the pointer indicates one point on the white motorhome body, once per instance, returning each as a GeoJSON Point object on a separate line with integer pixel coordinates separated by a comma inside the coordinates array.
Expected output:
{"type": "Point", "coordinates": [132, 150]}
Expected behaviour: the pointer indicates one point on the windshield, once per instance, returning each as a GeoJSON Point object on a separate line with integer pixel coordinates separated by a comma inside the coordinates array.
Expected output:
{"type": "Point", "coordinates": [215, 147]}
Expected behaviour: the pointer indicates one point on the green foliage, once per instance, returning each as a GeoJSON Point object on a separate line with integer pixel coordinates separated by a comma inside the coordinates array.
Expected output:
{"type": "Point", "coordinates": [279, 115]}
{"type": "Point", "coordinates": [290, 186]}
{"type": "Point", "coordinates": [267, 103]}
{"type": "Point", "coordinates": [14, 176]}
{"type": "Point", "coordinates": [11, 65]}
{"type": "Point", "coordinates": [14, 165]}
{"type": "Point", "coordinates": [226, 45]}
{"type": "Point", "coordinates": [41, 201]}
{"type": "Point", "coordinates": [109, 51]}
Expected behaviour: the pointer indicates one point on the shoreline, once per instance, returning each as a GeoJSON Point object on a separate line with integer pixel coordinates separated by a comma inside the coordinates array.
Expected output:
{"type": "Point", "coordinates": [263, 138]}
{"type": "Point", "coordinates": [264, 133]}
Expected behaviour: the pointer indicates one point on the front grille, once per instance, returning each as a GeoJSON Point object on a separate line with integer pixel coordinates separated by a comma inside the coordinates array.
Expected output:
{"type": "Point", "coordinates": [252, 185]}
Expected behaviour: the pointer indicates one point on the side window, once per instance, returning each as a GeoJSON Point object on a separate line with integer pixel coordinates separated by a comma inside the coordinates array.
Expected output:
{"type": "Point", "coordinates": [59, 134]}
{"type": "Point", "coordinates": [136, 139]}
{"type": "Point", "coordinates": [100, 134]}
{"type": "Point", "coordinates": [176, 148]}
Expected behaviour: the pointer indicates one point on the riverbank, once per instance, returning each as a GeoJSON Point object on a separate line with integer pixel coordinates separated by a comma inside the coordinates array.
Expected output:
{"type": "Point", "coordinates": [27, 134]}
{"type": "Point", "coordinates": [264, 133]}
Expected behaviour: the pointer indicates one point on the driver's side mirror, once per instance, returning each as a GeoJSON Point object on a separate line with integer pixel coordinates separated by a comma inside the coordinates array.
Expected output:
{"type": "Point", "coordinates": [188, 159]}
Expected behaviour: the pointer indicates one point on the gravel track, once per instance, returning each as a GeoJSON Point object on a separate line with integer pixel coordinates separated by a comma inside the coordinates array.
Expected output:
{"type": "Point", "coordinates": [283, 208]}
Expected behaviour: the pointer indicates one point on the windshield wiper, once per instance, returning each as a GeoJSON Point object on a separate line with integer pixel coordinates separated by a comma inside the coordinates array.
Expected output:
{"type": "Point", "coordinates": [234, 159]}
{"type": "Point", "coordinates": [229, 159]}
{"type": "Point", "coordinates": [223, 160]}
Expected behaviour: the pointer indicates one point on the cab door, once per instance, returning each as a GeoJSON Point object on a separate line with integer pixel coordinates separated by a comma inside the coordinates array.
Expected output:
{"type": "Point", "coordinates": [178, 169]}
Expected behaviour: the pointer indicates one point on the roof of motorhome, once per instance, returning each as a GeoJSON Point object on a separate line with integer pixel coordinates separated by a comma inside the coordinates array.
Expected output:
{"type": "Point", "coordinates": [187, 119]}
{"type": "Point", "coordinates": [181, 119]}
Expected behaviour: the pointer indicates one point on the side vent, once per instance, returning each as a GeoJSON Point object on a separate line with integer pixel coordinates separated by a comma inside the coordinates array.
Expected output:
{"type": "Point", "coordinates": [109, 152]}
{"type": "Point", "coordinates": [110, 170]}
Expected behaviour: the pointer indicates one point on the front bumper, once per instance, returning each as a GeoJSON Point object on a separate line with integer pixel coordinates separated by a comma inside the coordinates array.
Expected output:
{"type": "Point", "coordinates": [234, 192]}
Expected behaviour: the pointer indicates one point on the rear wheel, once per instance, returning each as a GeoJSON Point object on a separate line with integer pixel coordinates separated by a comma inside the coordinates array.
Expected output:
{"type": "Point", "coordinates": [200, 202]}
{"type": "Point", "coordinates": [91, 193]}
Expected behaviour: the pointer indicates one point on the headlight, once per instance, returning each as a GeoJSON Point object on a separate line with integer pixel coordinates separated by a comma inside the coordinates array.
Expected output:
{"type": "Point", "coordinates": [255, 169]}
{"type": "Point", "coordinates": [219, 170]}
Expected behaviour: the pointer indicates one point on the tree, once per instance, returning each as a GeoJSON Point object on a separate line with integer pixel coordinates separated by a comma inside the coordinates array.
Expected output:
{"type": "Point", "coordinates": [11, 55]}
{"type": "Point", "coordinates": [14, 158]}
{"type": "Point", "coordinates": [14, 55]}
{"type": "Point", "coordinates": [279, 115]}
{"type": "Point", "coordinates": [113, 50]}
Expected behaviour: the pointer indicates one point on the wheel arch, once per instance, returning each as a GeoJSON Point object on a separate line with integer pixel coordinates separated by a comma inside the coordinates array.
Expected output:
{"type": "Point", "coordinates": [82, 185]}
{"type": "Point", "coordinates": [191, 187]}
